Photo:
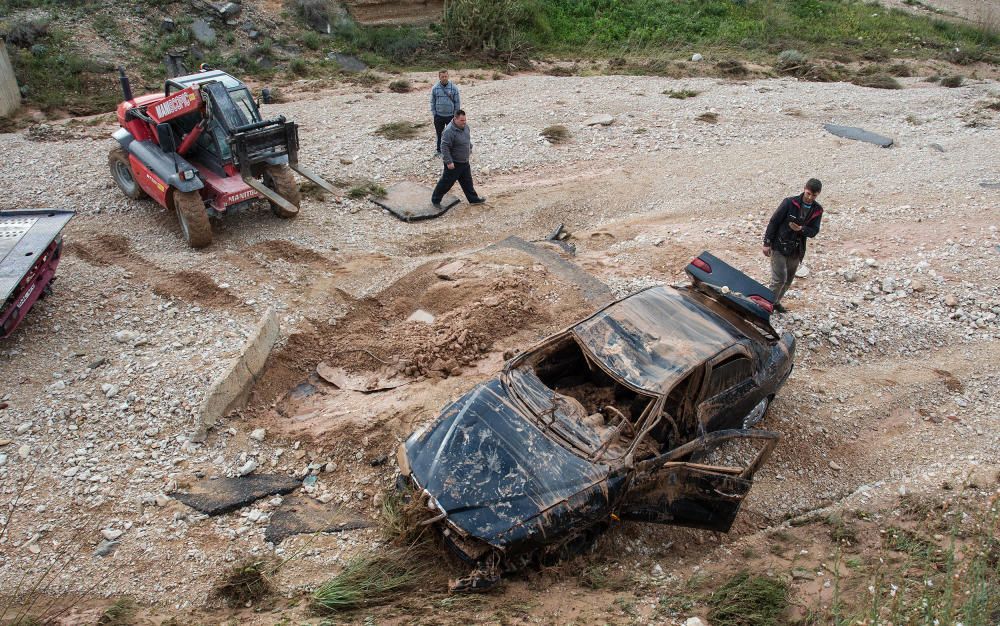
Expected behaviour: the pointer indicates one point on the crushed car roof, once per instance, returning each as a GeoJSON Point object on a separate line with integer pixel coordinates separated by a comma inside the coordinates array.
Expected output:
{"type": "Point", "coordinates": [653, 338]}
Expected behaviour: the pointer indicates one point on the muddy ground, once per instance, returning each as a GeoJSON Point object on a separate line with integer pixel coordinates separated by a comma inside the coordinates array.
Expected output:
{"type": "Point", "coordinates": [894, 392]}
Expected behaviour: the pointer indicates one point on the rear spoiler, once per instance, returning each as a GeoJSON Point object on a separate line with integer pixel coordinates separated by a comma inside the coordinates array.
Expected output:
{"type": "Point", "coordinates": [716, 277]}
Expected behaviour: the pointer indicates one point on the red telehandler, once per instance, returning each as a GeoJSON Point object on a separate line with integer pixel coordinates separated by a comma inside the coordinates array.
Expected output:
{"type": "Point", "coordinates": [202, 149]}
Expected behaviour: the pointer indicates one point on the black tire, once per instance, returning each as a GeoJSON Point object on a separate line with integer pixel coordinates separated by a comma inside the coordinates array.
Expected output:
{"type": "Point", "coordinates": [279, 178]}
{"type": "Point", "coordinates": [121, 172]}
{"type": "Point", "coordinates": [195, 227]}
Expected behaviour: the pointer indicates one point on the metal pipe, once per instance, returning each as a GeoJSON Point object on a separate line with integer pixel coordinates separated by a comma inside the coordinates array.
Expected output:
{"type": "Point", "coordinates": [126, 87]}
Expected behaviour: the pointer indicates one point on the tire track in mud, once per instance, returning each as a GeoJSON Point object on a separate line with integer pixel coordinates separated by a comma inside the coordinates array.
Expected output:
{"type": "Point", "coordinates": [108, 250]}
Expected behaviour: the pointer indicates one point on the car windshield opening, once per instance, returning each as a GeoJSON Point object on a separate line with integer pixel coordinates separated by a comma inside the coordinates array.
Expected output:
{"type": "Point", "coordinates": [578, 400]}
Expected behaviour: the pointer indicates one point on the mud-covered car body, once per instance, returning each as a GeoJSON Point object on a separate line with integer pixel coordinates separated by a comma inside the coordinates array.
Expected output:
{"type": "Point", "coordinates": [638, 412]}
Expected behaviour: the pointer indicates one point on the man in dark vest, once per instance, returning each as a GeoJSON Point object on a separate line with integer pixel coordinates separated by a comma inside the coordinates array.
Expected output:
{"type": "Point", "coordinates": [797, 218]}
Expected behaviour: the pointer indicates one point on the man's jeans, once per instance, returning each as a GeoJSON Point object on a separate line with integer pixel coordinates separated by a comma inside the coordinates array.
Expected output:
{"type": "Point", "coordinates": [463, 174]}
{"type": "Point", "coordinates": [440, 121]}
{"type": "Point", "coordinates": [782, 273]}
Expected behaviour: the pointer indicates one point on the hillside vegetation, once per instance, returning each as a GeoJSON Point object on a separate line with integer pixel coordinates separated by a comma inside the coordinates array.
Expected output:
{"type": "Point", "coordinates": [65, 52]}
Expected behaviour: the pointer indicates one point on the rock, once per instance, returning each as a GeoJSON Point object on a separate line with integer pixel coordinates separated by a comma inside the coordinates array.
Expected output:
{"type": "Point", "coordinates": [871, 262]}
{"type": "Point", "coordinates": [106, 547]}
{"type": "Point", "coordinates": [602, 120]}
{"type": "Point", "coordinates": [694, 621]}
{"type": "Point", "coordinates": [3, 460]}
{"type": "Point", "coordinates": [230, 10]}
{"type": "Point", "coordinates": [696, 57]}
{"type": "Point", "coordinates": [203, 32]}
{"type": "Point", "coordinates": [657, 571]}
{"type": "Point", "coordinates": [421, 315]}
{"type": "Point", "coordinates": [936, 146]}
{"type": "Point", "coordinates": [449, 271]}
{"type": "Point", "coordinates": [96, 363]}
{"type": "Point", "coordinates": [247, 468]}
{"type": "Point", "coordinates": [347, 62]}
{"type": "Point", "coordinates": [111, 534]}
{"type": "Point", "coordinates": [836, 466]}
{"type": "Point", "coordinates": [950, 300]}
{"type": "Point", "coordinates": [917, 286]}
{"type": "Point", "coordinates": [24, 451]}
{"type": "Point", "coordinates": [168, 25]}
{"type": "Point", "coordinates": [162, 499]}
{"type": "Point", "coordinates": [802, 271]}
{"type": "Point", "coordinates": [888, 284]}
{"type": "Point", "coordinates": [850, 276]}
{"type": "Point", "coordinates": [70, 472]}
{"type": "Point", "coordinates": [124, 336]}
{"type": "Point", "coordinates": [110, 391]}
{"type": "Point", "coordinates": [23, 428]}
{"type": "Point", "coordinates": [5, 442]}
{"type": "Point", "coordinates": [258, 434]}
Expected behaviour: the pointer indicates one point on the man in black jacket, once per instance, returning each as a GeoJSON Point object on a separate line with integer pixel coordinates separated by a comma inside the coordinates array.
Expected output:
{"type": "Point", "coordinates": [797, 217]}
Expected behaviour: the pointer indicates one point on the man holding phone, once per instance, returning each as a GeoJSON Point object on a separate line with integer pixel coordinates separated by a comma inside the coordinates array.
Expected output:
{"type": "Point", "coordinates": [797, 218]}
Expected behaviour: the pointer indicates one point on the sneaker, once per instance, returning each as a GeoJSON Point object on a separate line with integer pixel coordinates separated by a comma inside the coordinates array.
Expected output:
{"type": "Point", "coordinates": [436, 205]}
{"type": "Point", "coordinates": [479, 200]}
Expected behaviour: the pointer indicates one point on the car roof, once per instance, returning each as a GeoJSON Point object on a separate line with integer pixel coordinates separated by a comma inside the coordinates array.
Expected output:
{"type": "Point", "coordinates": [653, 338]}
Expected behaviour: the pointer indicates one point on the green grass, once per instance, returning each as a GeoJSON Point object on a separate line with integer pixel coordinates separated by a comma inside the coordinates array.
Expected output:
{"type": "Point", "coordinates": [681, 94]}
{"type": "Point", "coordinates": [55, 75]}
{"type": "Point", "coordinates": [748, 600]}
{"type": "Point", "coordinates": [369, 580]}
{"type": "Point", "coordinates": [366, 190]}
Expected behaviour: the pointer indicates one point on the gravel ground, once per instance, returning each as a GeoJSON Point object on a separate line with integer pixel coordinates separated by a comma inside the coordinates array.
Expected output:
{"type": "Point", "coordinates": [102, 381]}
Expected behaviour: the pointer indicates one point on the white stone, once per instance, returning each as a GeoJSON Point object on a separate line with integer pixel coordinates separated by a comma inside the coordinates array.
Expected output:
{"type": "Point", "coordinates": [421, 315]}
{"type": "Point", "coordinates": [248, 467]}
{"type": "Point", "coordinates": [258, 434]}
{"type": "Point", "coordinates": [23, 428]}
{"type": "Point", "coordinates": [600, 120]}
{"type": "Point", "coordinates": [696, 57]}
{"type": "Point", "coordinates": [112, 533]}
{"type": "Point", "coordinates": [694, 621]}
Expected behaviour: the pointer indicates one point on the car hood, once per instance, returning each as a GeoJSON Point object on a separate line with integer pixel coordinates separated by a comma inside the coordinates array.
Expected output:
{"type": "Point", "coordinates": [490, 468]}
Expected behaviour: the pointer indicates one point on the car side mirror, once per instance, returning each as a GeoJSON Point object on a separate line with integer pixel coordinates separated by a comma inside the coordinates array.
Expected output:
{"type": "Point", "coordinates": [165, 136]}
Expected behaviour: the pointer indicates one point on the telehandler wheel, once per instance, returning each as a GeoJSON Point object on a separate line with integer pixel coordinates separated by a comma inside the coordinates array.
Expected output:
{"type": "Point", "coordinates": [191, 214]}
{"type": "Point", "coordinates": [121, 171]}
{"type": "Point", "coordinates": [280, 179]}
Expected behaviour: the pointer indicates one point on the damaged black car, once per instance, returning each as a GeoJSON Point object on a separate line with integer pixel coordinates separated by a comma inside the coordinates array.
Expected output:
{"type": "Point", "coordinates": [644, 411]}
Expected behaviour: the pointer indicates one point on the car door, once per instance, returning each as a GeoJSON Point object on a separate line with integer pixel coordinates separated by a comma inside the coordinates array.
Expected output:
{"type": "Point", "coordinates": [689, 486]}
{"type": "Point", "coordinates": [729, 391]}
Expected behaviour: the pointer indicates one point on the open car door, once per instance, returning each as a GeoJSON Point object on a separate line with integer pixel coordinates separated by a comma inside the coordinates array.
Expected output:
{"type": "Point", "coordinates": [700, 484]}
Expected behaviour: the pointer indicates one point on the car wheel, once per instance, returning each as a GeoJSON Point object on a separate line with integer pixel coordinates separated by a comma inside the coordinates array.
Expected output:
{"type": "Point", "coordinates": [121, 172]}
{"type": "Point", "coordinates": [757, 413]}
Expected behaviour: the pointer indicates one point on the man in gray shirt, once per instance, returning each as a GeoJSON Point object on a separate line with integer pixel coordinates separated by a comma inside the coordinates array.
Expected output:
{"type": "Point", "coordinates": [445, 101]}
{"type": "Point", "coordinates": [456, 148]}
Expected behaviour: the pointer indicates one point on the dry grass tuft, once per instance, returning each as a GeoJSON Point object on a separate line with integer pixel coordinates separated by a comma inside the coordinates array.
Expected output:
{"type": "Point", "coordinates": [246, 583]}
{"type": "Point", "coordinates": [556, 133]}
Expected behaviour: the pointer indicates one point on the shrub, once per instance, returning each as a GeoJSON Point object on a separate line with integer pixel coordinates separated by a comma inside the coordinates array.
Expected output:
{"type": "Point", "coordinates": [709, 117]}
{"type": "Point", "coordinates": [311, 40]}
{"type": "Point", "coordinates": [877, 81]}
{"type": "Point", "coordinates": [732, 67]}
{"type": "Point", "coordinates": [25, 34]}
{"type": "Point", "coordinates": [298, 67]}
{"type": "Point", "coordinates": [400, 86]}
{"type": "Point", "coordinates": [556, 133]}
{"type": "Point", "coordinates": [368, 580]}
{"type": "Point", "coordinates": [747, 600]}
{"type": "Point", "coordinates": [954, 80]}
{"type": "Point", "coordinates": [790, 60]}
{"type": "Point", "coordinates": [245, 583]}
{"type": "Point", "coordinates": [681, 94]}
{"type": "Point", "coordinates": [399, 130]}
{"type": "Point", "coordinates": [498, 29]}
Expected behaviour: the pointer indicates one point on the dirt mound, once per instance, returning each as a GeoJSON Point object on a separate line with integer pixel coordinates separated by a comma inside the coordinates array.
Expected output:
{"type": "Point", "coordinates": [288, 251]}
{"type": "Point", "coordinates": [196, 287]}
{"type": "Point", "coordinates": [104, 250]}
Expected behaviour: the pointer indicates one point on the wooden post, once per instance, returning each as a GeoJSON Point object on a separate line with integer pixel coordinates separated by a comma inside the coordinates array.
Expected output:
{"type": "Point", "coordinates": [10, 94]}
